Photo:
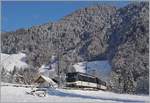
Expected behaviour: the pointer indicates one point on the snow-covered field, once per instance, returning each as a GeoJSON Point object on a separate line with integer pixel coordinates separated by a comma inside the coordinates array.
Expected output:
{"type": "Point", "coordinates": [9, 61]}
{"type": "Point", "coordinates": [18, 94]}
{"type": "Point", "coordinates": [14, 93]}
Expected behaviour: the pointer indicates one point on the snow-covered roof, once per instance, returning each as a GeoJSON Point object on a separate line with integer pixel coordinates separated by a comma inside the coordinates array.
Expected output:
{"type": "Point", "coordinates": [47, 79]}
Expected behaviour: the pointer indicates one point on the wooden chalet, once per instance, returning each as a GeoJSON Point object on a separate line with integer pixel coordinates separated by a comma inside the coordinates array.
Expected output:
{"type": "Point", "coordinates": [45, 82]}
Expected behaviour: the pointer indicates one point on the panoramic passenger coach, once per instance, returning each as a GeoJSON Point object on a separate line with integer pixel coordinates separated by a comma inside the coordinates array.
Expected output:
{"type": "Point", "coordinates": [83, 80]}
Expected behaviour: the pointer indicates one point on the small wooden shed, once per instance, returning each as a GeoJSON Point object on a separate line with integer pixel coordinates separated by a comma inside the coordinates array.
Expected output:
{"type": "Point", "coordinates": [45, 82]}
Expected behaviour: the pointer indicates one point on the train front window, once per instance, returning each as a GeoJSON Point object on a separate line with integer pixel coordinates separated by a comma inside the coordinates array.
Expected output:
{"type": "Point", "coordinates": [71, 77]}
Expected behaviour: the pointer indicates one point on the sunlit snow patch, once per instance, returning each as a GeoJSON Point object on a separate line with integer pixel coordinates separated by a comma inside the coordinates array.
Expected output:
{"type": "Point", "coordinates": [97, 68]}
{"type": "Point", "coordinates": [9, 61]}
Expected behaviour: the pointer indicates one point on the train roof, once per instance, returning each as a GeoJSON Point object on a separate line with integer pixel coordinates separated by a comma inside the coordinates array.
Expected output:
{"type": "Point", "coordinates": [85, 74]}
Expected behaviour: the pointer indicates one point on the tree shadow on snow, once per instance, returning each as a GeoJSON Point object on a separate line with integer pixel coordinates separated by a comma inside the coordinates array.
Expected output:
{"type": "Point", "coordinates": [64, 94]}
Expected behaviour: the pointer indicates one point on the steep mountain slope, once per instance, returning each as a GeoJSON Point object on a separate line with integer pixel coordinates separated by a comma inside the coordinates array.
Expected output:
{"type": "Point", "coordinates": [77, 37]}
{"type": "Point", "coordinates": [129, 49]}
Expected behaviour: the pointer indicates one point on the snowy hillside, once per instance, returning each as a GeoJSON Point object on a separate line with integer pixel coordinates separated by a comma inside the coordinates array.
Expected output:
{"type": "Point", "coordinates": [9, 61]}
{"type": "Point", "coordinates": [18, 94]}
{"type": "Point", "coordinates": [50, 68]}
{"type": "Point", "coordinates": [99, 68]}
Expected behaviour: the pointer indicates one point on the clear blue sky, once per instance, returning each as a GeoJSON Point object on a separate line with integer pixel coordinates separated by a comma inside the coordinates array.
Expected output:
{"type": "Point", "coordinates": [25, 14]}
